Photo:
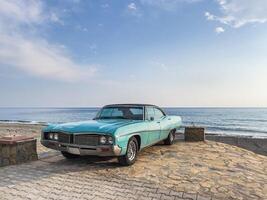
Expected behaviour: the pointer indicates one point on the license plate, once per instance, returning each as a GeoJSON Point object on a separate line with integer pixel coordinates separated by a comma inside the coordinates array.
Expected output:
{"type": "Point", "coordinates": [75, 151]}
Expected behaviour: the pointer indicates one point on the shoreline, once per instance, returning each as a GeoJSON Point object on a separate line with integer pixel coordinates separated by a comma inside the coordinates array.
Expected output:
{"type": "Point", "coordinates": [256, 145]}
{"type": "Point", "coordinates": [42, 123]}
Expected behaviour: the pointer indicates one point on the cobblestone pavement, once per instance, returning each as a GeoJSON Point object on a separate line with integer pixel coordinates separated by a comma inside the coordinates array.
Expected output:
{"type": "Point", "coordinates": [203, 170]}
{"type": "Point", "coordinates": [57, 178]}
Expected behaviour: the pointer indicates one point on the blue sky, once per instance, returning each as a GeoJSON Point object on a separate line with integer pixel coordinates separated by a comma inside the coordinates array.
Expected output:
{"type": "Point", "coordinates": [165, 52]}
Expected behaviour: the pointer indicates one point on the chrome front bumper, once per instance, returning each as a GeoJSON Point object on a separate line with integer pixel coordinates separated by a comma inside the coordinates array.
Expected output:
{"type": "Point", "coordinates": [100, 150]}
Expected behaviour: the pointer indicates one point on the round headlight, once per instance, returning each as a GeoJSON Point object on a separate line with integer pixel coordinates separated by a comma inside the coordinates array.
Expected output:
{"type": "Point", "coordinates": [55, 136]}
{"type": "Point", "coordinates": [110, 140]}
{"type": "Point", "coordinates": [102, 140]}
{"type": "Point", "coordinates": [50, 136]}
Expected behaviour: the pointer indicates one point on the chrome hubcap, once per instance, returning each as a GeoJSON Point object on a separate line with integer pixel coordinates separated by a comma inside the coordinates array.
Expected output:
{"type": "Point", "coordinates": [131, 152]}
{"type": "Point", "coordinates": [171, 136]}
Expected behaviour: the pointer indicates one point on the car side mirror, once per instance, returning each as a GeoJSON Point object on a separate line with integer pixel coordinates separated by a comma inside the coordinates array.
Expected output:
{"type": "Point", "coordinates": [151, 118]}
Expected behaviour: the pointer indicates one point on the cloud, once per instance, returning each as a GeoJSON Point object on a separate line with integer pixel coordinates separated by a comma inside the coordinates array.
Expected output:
{"type": "Point", "coordinates": [209, 16]}
{"type": "Point", "coordinates": [54, 18]}
{"type": "Point", "coordinates": [133, 10]}
{"type": "Point", "coordinates": [81, 28]}
{"type": "Point", "coordinates": [40, 58]}
{"type": "Point", "coordinates": [219, 30]}
{"type": "Point", "coordinates": [20, 11]}
{"type": "Point", "coordinates": [238, 13]}
{"type": "Point", "coordinates": [159, 65]}
{"type": "Point", "coordinates": [132, 6]}
{"type": "Point", "coordinates": [22, 49]}
{"type": "Point", "coordinates": [166, 4]}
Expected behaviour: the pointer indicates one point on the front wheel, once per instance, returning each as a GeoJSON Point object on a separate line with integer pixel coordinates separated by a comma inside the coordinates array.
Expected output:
{"type": "Point", "coordinates": [170, 139]}
{"type": "Point", "coordinates": [131, 153]}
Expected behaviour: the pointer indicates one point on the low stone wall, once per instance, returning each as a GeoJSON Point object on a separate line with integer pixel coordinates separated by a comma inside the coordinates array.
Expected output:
{"type": "Point", "coordinates": [194, 134]}
{"type": "Point", "coordinates": [17, 151]}
{"type": "Point", "coordinates": [257, 145]}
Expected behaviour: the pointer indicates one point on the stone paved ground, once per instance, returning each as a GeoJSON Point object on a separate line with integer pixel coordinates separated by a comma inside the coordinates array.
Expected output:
{"type": "Point", "coordinates": [202, 170]}
{"type": "Point", "coordinates": [57, 178]}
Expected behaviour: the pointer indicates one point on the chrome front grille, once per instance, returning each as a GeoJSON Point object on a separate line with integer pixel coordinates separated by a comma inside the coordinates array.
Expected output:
{"type": "Point", "coordinates": [90, 140]}
{"type": "Point", "coordinates": [64, 138]}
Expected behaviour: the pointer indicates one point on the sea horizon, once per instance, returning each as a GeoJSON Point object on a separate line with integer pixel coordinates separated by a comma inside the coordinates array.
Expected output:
{"type": "Point", "coordinates": [237, 121]}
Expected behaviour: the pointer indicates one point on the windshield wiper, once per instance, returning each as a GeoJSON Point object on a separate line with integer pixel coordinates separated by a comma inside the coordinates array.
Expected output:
{"type": "Point", "coordinates": [121, 117]}
{"type": "Point", "coordinates": [113, 117]}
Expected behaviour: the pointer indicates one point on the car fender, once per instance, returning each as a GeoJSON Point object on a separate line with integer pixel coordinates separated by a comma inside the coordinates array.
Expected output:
{"type": "Point", "coordinates": [122, 141]}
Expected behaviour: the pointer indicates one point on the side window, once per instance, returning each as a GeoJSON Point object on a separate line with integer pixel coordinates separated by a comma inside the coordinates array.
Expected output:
{"type": "Point", "coordinates": [158, 114]}
{"type": "Point", "coordinates": [136, 111]}
{"type": "Point", "coordinates": [150, 113]}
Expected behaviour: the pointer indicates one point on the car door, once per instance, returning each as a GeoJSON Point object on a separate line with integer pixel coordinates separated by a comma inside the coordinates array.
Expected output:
{"type": "Point", "coordinates": [153, 126]}
{"type": "Point", "coordinates": [164, 122]}
{"type": "Point", "coordinates": [161, 119]}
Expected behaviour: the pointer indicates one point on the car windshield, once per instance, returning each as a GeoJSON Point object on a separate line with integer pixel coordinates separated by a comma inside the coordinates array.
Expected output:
{"type": "Point", "coordinates": [123, 112]}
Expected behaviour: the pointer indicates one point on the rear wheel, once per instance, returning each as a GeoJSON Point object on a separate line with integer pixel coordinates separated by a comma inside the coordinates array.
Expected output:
{"type": "Point", "coordinates": [69, 155]}
{"type": "Point", "coordinates": [170, 139]}
{"type": "Point", "coordinates": [131, 153]}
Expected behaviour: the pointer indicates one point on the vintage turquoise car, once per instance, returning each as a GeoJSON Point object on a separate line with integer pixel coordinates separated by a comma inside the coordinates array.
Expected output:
{"type": "Point", "coordinates": [120, 130]}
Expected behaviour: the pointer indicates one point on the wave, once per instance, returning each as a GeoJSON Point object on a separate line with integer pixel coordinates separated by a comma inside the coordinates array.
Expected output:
{"type": "Point", "coordinates": [22, 122]}
{"type": "Point", "coordinates": [228, 129]}
{"type": "Point", "coordinates": [247, 120]}
{"type": "Point", "coordinates": [235, 129]}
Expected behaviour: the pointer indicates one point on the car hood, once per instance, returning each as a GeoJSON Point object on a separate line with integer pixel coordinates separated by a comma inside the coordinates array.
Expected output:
{"type": "Point", "coordinates": [92, 126]}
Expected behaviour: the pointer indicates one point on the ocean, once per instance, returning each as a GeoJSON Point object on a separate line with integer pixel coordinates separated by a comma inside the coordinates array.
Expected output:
{"type": "Point", "coordinates": [226, 121]}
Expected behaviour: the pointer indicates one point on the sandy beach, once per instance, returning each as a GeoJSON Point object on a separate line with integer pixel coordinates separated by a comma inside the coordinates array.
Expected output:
{"type": "Point", "coordinates": [207, 169]}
